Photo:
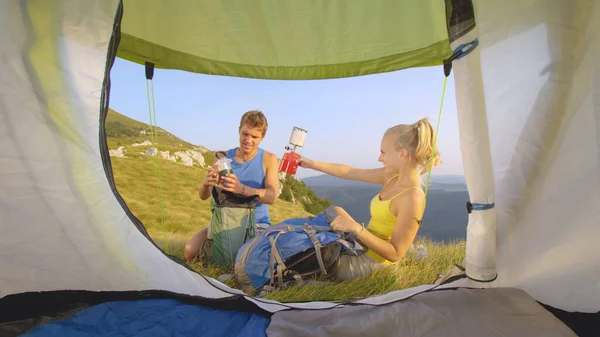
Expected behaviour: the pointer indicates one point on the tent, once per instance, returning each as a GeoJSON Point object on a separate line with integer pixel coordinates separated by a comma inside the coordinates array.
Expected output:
{"type": "Point", "coordinates": [527, 78]}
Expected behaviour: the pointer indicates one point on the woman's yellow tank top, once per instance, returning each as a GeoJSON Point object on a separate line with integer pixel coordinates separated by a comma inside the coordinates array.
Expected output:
{"type": "Point", "coordinates": [382, 221]}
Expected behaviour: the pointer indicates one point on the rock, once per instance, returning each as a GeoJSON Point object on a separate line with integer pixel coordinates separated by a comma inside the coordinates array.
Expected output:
{"type": "Point", "coordinates": [150, 152]}
{"type": "Point", "coordinates": [190, 157]}
{"type": "Point", "coordinates": [185, 158]}
{"type": "Point", "coordinates": [197, 156]}
{"type": "Point", "coordinates": [145, 143]}
{"type": "Point", "coordinates": [120, 153]}
{"type": "Point", "coordinates": [167, 155]}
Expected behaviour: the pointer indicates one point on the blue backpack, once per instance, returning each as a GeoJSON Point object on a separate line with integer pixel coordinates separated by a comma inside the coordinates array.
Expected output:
{"type": "Point", "coordinates": [293, 251]}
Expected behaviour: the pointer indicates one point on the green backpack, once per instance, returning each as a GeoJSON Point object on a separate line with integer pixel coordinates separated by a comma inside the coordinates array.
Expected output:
{"type": "Point", "coordinates": [231, 225]}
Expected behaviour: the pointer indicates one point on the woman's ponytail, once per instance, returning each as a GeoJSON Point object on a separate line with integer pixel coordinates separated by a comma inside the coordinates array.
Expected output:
{"type": "Point", "coordinates": [424, 152]}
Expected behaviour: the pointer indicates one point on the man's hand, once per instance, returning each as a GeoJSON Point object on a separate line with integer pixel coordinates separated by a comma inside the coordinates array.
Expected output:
{"type": "Point", "coordinates": [212, 177]}
{"type": "Point", "coordinates": [231, 183]}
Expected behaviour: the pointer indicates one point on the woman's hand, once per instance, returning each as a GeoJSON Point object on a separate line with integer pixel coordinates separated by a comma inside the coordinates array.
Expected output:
{"type": "Point", "coordinates": [344, 222]}
{"type": "Point", "coordinates": [305, 162]}
{"type": "Point", "coordinates": [231, 183]}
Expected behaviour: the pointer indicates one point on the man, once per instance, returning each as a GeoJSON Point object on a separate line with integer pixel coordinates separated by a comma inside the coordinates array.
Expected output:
{"type": "Point", "coordinates": [255, 172]}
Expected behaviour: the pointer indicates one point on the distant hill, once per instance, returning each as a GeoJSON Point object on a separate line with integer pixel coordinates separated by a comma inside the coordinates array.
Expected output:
{"type": "Point", "coordinates": [445, 218]}
{"type": "Point", "coordinates": [125, 130]}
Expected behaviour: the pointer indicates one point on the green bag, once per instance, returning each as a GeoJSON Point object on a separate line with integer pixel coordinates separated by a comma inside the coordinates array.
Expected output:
{"type": "Point", "coordinates": [231, 225]}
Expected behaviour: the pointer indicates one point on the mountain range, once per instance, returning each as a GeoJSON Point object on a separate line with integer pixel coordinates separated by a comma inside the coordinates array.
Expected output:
{"type": "Point", "coordinates": [445, 217]}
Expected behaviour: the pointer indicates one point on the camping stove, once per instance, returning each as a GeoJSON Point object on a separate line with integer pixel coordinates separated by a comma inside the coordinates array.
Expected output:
{"type": "Point", "coordinates": [288, 161]}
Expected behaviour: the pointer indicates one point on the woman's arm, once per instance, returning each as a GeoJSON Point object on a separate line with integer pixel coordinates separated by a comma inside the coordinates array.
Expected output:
{"type": "Point", "coordinates": [373, 176]}
{"type": "Point", "coordinates": [408, 208]}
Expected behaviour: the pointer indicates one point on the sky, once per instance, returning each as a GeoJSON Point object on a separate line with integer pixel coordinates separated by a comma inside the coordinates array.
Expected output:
{"type": "Point", "coordinates": [344, 118]}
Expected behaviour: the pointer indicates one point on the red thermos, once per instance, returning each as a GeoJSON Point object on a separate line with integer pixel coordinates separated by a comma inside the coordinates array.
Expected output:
{"type": "Point", "coordinates": [288, 163]}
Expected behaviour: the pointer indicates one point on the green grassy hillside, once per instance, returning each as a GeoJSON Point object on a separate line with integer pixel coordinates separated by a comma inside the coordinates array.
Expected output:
{"type": "Point", "coordinates": [184, 211]}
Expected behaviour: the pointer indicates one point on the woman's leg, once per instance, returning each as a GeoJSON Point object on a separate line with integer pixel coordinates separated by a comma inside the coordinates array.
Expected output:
{"type": "Point", "coordinates": [192, 248]}
{"type": "Point", "coordinates": [352, 267]}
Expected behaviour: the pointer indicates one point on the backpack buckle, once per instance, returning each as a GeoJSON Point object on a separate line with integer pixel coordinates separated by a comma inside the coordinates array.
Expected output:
{"type": "Point", "coordinates": [312, 234]}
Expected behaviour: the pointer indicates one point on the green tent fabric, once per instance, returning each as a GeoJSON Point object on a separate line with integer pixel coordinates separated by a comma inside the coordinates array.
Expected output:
{"type": "Point", "coordinates": [273, 39]}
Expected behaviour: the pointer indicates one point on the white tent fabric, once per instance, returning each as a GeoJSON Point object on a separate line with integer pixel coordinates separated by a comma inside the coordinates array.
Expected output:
{"type": "Point", "coordinates": [60, 224]}
{"type": "Point", "coordinates": [480, 258]}
{"type": "Point", "coordinates": [540, 88]}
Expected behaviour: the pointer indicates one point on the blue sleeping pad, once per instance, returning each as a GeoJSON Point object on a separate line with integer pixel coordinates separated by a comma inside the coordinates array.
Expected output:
{"type": "Point", "coordinates": [155, 317]}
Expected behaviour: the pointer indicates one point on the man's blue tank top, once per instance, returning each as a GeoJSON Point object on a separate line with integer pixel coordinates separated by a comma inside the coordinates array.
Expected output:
{"type": "Point", "coordinates": [252, 173]}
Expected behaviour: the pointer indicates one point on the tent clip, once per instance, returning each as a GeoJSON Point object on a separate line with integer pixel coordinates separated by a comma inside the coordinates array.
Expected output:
{"type": "Point", "coordinates": [460, 52]}
{"type": "Point", "coordinates": [479, 207]}
{"type": "Point", "coordinates": [149, 70]}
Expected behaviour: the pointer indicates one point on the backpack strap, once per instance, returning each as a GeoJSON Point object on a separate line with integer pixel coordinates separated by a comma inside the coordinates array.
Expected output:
{"type": "Point", "coordinates": [250, 229]}
{"type": "Point", "coordinates": [318, 228]}
{"type": "Point", "coordinates": [312, 233]}
{"type": "Point", "coordinates": [275, 256]}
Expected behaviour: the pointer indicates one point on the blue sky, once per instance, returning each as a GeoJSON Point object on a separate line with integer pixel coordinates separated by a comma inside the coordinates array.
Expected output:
{"type": "Point", "coordinates": [345, 118]}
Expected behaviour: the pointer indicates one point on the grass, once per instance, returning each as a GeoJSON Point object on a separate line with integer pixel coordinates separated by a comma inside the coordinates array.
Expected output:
{"type": "Point", "coordinates": [409, 272]}
{"type": "Point", "coordinates": [186, 214]}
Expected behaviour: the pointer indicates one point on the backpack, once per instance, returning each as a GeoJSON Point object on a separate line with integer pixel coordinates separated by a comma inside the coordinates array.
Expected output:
{"type": "Point", "coordinates": [231, 225]}
{"type": "Point", "coordinates": [292, 252]}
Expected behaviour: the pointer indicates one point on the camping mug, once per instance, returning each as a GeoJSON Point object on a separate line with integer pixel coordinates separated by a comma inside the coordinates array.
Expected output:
{"type": "Point", "coordinates": [224, 167]}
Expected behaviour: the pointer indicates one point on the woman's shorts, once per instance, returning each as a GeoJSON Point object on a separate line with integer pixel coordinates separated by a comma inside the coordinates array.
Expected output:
{"type": "Point", "coordinates": [352, 267]}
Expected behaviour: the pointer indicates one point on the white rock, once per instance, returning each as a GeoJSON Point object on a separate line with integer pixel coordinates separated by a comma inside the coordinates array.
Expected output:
{"type": "Point", "coordinates": [150, 152]}
{"type": "Point", "coordinates": [190, 157]}
{"type": "Point", "coordinates": [145, 143]}
{"type": "Point", "coordinates": [197, 156]}
{"type": "Point", "coordinates": [187, 157]}
{"type": "Point", "coordinates": [167, 155]}
{"type": "Point", "coordinates": [120, 153]}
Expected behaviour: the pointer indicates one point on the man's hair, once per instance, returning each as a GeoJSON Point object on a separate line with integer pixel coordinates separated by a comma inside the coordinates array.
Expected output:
{"type": "Point", "coordinates": [255, 119]}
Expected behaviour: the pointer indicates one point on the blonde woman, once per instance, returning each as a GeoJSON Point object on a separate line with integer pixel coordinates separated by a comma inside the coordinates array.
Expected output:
{"type": "Point", "coordinates": [397, 210]}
